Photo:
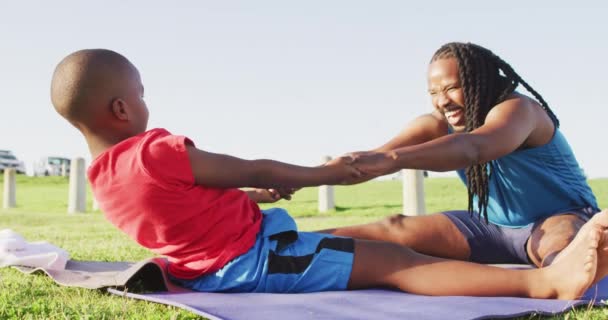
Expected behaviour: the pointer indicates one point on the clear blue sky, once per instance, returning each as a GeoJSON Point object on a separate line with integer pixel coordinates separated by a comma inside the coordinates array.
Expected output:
{"type": "Point", "coordinates": [296, 80]}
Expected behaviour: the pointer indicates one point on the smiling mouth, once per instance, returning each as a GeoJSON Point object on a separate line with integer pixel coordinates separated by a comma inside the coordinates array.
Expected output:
{"type": "Point", "coordinates": [454, 115]}
{"type": "Point", "coordinates": [451, 111]}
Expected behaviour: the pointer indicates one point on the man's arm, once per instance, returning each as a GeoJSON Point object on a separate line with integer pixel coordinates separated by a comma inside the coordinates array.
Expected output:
{"type": "Point", "coordinates": [224, 171]}
{"type": "Point", "coordinates": [506, 128]}
{"type": "Point", "coordinates": [422, 129]}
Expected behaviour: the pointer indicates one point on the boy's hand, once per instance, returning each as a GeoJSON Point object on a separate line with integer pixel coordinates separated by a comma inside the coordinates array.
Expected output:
{"type": "Point", "coordinates": [348, 174]}
{"type": "Point", "coordinates": [270, 195]}
{"type": "Point", "coordinates": [282, 193]}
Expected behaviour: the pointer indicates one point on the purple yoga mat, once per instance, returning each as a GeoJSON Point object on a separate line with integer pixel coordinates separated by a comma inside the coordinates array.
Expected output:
{"type": "Point", "coordinates": [150, 276]}
{"type": "Point", "coordinates": [363, 304]}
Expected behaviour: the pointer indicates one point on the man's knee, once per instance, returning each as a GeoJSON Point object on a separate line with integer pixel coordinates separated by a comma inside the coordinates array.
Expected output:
{"type": "Point", "coordinates": [562, 232]}
{"type": "Point", "coordinates": [394, 223]}
{"type": "Point", "coordinates": [550, 238]}
{"type": "Point", "coordinates": [402, 229]}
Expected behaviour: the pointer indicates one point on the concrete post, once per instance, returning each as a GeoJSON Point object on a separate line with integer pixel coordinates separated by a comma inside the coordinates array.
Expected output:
{"type": "Point", "coordinates": [326, 194]}
{"type": "Point", "coordinates": [78, 187]}
{"type": "Point", "coordinates": [95, 204]}
{"type": "Point", "coordinates": [10, 189]}
{"type": "Point", "coordinates": [413, 192]}
{"type": "Point", "coordinates": [64, 169]}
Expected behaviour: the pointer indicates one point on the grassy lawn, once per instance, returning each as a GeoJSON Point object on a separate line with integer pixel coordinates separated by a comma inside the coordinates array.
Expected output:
{"type": "Point", "coordinates": [41, 215]}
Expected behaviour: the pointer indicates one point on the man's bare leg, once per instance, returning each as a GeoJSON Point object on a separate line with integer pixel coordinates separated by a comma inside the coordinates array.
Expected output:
{"type": "Point", "coordinates": [388, 264]}
{"type": "Point", "coordinates": [433, 235]}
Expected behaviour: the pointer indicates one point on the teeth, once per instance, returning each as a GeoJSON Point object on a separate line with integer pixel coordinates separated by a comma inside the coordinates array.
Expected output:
{"type": "Point", "coordinates": [451, 112]}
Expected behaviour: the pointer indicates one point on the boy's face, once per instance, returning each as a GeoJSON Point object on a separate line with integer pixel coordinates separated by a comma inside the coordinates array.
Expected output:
{"type": "Point", "coordinates": [135, 99]}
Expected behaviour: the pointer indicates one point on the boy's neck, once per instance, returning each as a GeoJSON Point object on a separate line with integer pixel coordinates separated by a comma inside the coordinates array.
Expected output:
{"type": "Point", "coordinates": [96, 147]}
{"type": "Point", "coordinates": [98, 144]}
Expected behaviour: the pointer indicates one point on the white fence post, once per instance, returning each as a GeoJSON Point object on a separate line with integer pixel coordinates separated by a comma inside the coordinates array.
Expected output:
{"type": "Point", "coordinates": [10, 199]}
{"type": "Point", "coordinates": [78, 187]}
{"type": "Point", "coordinates": [95, 204]}
{"type": "Point", "coordinates": [64, 169]}
{"type": "Point", "coordinates": [413, 192]}
{"type": "Point", "coordinates": [326, 194]}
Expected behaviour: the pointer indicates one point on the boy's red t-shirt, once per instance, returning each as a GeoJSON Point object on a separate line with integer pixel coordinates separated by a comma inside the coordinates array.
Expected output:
{"type": "Point", "coordinates": [145, 187]}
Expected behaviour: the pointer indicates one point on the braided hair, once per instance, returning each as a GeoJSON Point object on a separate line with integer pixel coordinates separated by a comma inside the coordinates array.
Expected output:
{"type": "Point", "coordinates": [486, 81]}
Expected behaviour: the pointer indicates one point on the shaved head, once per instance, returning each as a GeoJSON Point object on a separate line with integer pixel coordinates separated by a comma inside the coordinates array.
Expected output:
{"type": "Point", "coordinates": [86, 81]}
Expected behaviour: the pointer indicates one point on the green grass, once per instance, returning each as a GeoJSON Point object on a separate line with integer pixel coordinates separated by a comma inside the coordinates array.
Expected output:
{"type": "Point", "coordinates": [41, 215]}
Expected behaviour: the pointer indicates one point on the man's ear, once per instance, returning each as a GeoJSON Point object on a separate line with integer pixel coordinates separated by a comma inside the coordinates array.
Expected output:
{"type": "Point", "coordinates": [119, 109]}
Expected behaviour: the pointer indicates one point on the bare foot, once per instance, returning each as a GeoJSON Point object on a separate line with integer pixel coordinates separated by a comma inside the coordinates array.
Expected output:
{"type": "Point", "coordinates": [575, 271]}
{"type": "Point", "coordinates": [602, 257]}
{"type": "Point", "coordinates": [601, 219]}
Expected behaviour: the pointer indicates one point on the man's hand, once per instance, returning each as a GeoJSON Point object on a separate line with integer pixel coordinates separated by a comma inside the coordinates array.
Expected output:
{"type": "Point", "coordinates": [375, 164]}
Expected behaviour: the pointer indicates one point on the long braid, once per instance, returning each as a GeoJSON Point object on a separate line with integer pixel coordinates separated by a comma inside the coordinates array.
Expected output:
{"type": "Point", "coordinates": [483, 87]}
{"type": "Point", "coordinates": [510, 73]}
{"type": "Point", "coordinates": [475, 92]}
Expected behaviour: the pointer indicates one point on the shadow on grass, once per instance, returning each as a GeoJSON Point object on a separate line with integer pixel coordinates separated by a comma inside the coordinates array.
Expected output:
{"type": "Point", "coordinates": [305, 201]}
{"type": "Point", "coordinates": [386, 206]}
{"type": "Point", "coordinates": [355, 211]}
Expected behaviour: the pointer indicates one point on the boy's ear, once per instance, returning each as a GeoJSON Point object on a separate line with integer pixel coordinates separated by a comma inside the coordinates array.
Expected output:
{"type": "Point", "coordinates": [119, 109]}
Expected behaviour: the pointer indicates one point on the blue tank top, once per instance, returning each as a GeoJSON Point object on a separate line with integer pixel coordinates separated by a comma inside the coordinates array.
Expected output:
{"type": "Point", "coordinates": [530, 184]}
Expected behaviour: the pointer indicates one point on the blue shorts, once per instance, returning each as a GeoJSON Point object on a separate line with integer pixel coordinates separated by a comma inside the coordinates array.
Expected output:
{"type": "Point", "coordinates": [283, 260]}
{"type": "Point", "coordinates": [491, 243]}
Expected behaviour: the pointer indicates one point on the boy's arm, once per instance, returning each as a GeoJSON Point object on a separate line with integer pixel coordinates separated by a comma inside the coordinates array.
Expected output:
{"type": "Point", "coordinates": [224, 171]}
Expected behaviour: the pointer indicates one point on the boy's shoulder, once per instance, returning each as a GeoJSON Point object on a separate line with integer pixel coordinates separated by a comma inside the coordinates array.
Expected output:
{"type": "Point", "coordinates": [155, 153]}
{"type": "Point", "coordinates": [156, 132]}
{"type": "Point", "coordinates": [147, 141]}
{"type": "Point", "coordinates": [133, 146]}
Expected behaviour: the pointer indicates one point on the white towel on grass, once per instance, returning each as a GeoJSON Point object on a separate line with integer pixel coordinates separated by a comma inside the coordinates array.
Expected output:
{"type": "Point", "coordinates": [15, 251]}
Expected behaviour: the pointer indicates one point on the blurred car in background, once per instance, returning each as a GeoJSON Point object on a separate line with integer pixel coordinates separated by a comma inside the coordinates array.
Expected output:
{"type": "Point", "coordinates": [52, 166]}
{"type": "Point", "coordinates": [8, 160]}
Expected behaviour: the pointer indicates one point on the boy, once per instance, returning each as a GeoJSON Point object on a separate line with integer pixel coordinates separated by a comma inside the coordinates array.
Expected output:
{"type": "Point", "coordinates": [182, 202]}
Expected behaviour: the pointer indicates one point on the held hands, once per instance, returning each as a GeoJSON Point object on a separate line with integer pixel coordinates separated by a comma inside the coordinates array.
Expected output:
{"type": "Point", "coordinates": [364, 165]}
{"type": "Point", "coordinates": [351, 168]}
{"type": "Point", "coordinates": [344, 171]}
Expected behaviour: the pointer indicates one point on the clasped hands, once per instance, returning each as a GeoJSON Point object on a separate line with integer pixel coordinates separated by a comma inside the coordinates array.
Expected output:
{"type": "Point", "coordinates": [364, 165]}
{"type": "Point", "coordinates": [351, 168]}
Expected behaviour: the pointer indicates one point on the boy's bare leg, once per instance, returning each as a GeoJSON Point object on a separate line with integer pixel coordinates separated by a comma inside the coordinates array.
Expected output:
{"type": "Point", "coordinates": [393, 265]}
